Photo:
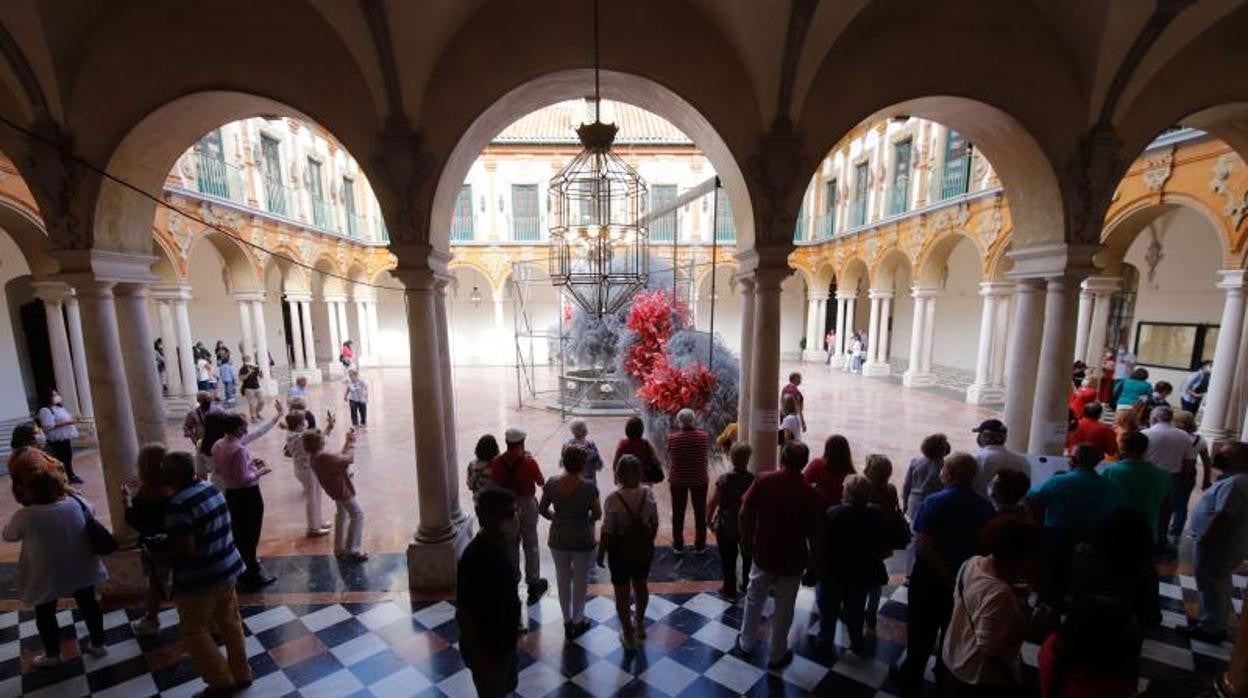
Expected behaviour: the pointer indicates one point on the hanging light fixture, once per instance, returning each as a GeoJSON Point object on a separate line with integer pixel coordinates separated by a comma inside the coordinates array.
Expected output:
{"type": "Point", "coordinates": [598, 243]}
{"type": "Point", "coordinates": [474, 297]}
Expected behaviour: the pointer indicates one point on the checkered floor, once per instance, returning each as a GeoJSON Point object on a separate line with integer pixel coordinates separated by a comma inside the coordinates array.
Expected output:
{"type": "Point", "coordinates": [394, 648]}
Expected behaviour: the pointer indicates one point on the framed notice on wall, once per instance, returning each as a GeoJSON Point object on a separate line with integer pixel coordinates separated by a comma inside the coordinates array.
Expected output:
{"type": "Point", "coordinates": [1180, 346]}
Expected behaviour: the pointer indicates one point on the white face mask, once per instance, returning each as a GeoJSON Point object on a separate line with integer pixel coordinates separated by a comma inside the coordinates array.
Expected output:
{"type": "Point", "coordinates": [41, 439]}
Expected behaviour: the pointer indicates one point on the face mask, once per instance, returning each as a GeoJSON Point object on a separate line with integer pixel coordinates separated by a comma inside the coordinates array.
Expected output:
{"type": "Point", "coordinates": [41, 440]}
{"type": "Point", "coordinates": [510, 528]}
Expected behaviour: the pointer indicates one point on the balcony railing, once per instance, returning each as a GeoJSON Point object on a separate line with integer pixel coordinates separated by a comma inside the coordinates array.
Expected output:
{"type": "Point", "coordinates": [824, 228]}
{"type": "Point", "coordinates": [527, 228]}
{"type": "Point", "coordinates": [322, 214]}
{"type": "Point", "coordinates": [276, 197]}
{"type": "Point", "coordinates": [355, 224]}
{"type": "Point", "coordinates": [214, 177]}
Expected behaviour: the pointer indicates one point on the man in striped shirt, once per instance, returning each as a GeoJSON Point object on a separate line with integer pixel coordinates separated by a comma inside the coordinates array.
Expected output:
{"type": "Point", "coordinates": [687, 450]}
{"type": "Point", "coordinates": [205, 564]}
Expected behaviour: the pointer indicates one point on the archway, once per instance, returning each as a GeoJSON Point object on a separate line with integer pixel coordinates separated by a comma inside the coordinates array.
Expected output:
{"type": "Point", "coordinates": [954, 265]}
{"type": "Point", "coordinates": [725, 295]}
{"type": "Point", "coordinates": [474, 335]}
{"type": "Point", "coordinates": [888, 283]}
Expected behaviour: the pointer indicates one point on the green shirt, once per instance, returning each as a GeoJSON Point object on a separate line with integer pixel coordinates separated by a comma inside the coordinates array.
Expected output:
{"type": "Point", "coordinates": [1145, 485]}
{"type": "Point", "coordinates": [1077, 502]}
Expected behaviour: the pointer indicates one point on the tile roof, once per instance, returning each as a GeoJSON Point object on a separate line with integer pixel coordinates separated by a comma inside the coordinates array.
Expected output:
{"type": "Point", "coordinates": [557, 124]}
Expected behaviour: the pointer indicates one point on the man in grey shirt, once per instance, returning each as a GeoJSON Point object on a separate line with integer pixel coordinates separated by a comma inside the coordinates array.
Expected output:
{"type": "Point", "coordinates": [1174, 451]}
{"type": "Point", "coordinates": [993, 456]}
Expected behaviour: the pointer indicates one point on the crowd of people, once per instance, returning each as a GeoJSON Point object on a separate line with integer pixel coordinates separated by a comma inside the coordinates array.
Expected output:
{"type": "Point", "coordinates": [995, 558]}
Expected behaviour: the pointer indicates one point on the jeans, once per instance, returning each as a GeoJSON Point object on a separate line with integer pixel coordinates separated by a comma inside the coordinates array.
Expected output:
{"type": "Point", "coordinates": [680, 496]}
{"type": "Point", "coordinates": [526, 512]}
{"type": "Point", "coordinates": [729, 545]}
{"type": "Point", "coordinates": [229, 390]}
{"type": "Point", "coordinates": [1213, 568]}
{"type": "Point", "coordinates": [201, 613]}
{"type": "Point", "coordinates": [784, 589]}
{"type": "Point", "coordinates": [1189, 405]}
{"type": "Point", "coordinates": [311, 498]}
{"type": "Point", "coordinates": [846, 602]}
{"type": "Point", "coordinates": [246, 517]}
{"type": "Point", "coordinates": [1183, 485]}
{"type": "Point", "coordinates": [63, 451]}
{"type": "Point", "coordinates": [50, 631]}
{"type": "Point", "coordinates": [572, 580]}
{"type": "Point", "coordinates": [359, 413]}
{"type": "Point", "coordinates": [347, 537]}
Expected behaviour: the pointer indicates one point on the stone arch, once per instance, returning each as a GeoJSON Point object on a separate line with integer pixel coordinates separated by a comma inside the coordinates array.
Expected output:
{"type": "Point", "coordinates": [999, 263]}
{"type": "Point", "coordinates": [931, 265]}
{"type": "Point", "coordinates": [884, 275]}
{"type": "Point", "coordinates": [239, 264]}
{"type": "Point", "coordinates": [526, 97]}
{"type": "Point", "coordinates": [330, 277]}
{"type": "Point", "coordinates": [721, 269]}
{"type": "Point", "coordinates": [22, 222]}
{"type": "Point", "coordinates": [491, 285]}
{"type": "Point", "coordinates": [825, 277]}
{"type": "Point", "coordinates": [853, 273]}
{"type": "Point", "coordinates": [170, 268]}
{"type": "Point", "coordinates": [150, 147]}
{"type": "Point", "coordinates": [1126, 225]}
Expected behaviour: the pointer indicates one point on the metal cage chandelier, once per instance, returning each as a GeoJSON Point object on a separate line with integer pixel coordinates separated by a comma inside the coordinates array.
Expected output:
{"type": "Point", "coordinates": [598, 242]}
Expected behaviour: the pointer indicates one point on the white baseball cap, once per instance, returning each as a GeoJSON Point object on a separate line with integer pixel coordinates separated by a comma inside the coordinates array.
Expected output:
{"type": "Point", "coordinates": [514, 435]}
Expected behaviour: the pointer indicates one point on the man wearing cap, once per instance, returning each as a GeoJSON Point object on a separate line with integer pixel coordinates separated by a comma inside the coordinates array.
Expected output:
{"type": "Point", "coordinates": [515, 470]}
{"type": "Point", "coordinates": [993, 456]}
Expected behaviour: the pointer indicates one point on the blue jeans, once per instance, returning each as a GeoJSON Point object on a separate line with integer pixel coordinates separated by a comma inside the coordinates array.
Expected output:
{"type": "Point", "coordinates": [229, 390]}
{"type": "Point", "coordinates": [1183, 485]}
{"type": "Point", "coordinates": [1213, 568]}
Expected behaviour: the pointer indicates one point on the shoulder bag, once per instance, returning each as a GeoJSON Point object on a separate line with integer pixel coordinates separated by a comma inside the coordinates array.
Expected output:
{"type": "Point", "coordinates": [99, 538]}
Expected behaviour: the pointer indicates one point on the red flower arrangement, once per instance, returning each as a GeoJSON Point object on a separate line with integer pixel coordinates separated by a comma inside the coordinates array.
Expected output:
{"type": "Point", "coordinates": [664, 387]}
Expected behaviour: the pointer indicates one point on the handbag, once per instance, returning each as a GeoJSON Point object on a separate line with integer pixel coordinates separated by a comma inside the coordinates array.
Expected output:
{"type": "Point", "coordinates": [652, 471]}
{"type": "Point", "coordinates": [99, 538]}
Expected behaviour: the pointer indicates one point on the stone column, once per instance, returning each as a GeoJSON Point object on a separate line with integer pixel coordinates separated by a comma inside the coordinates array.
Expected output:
{"type": "Point", "coordinates": [296, 333]}
{"type": "Point", "coordinates": [343, 325]}
{"type": "Point", "coordinates": [146, 397]}
{"type": "Point", "coordinates": [873, 329]}
{"type": "Point", "coordinates": [1020, 389]}
{"type": "Point", "coordinates": [169, 337]}
{"type": "Point", "coordinates": [309, 339]}
{"type": "Point", "coordinates": [984, 391]}
{"type": "Point", "coordinates": [929, 332]}
{"type": "Point", "coordinates": [53, 294]}
{"type": "Point", "coordinates": [185, 357]}
{"type": "Point", "coordinates": [814, 327]}
{"type": "Point", "coordinates": [1050, 411]}
{"type": "Point", "coordinates": [919, 373]}
{"type": "Point", "coordinates": [877, 352]}
{"type": "Point", "coordinates": [73, 325]}
{"type": "Point", "coordinates": [244, 325]}
{"type": "Point", "coordinates": [448, 396]}
{"type": "Point", "coordinates": [1102, 289]}
{"type": "Point", "coordinates": [1238, 411]}
{"type": "Point", "coordinates": [364, 352]}
{"type": "Point", "coordinates": [260, 328]}
{"type": "Point", "coordinates": [431, 558]}
{"type": "Point", "coordinates": [374, 330]}
{"type": "Point", "coordinates": [333, 366]}
{"type": "Point", "coordinates": [1083, 323]}
{"type": "Point", "coordinates": [1000, 339]}
{"type": "Point", "coordinates": [110, 392]}
{"type": "Point", "coordinates": [844, 325]}
{"type": "Point", "coordinates": [745, 394]}
{"type": "Point", "coordinates": [1225, 355]}
{"type": "Point", "coordinates": [765, 419]}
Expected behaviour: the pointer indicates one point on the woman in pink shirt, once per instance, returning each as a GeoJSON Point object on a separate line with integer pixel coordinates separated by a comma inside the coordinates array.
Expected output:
{"type": "Point", "coordinates": [238, 475]}
{"type": "Point", "coordinates": [333, 470]}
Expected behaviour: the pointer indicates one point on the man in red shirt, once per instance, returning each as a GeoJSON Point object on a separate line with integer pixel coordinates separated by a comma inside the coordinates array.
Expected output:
{"type": "Point", "coordinates": [515, 471]}
{"type": "Point", "coordinates": [687, 452]}
{"type": "Point", "coordinates": [791, 388]}
{"type": "Point", "coordinates": [780, 514]}
{"type": "Point", "coordinates": [1092, 430]}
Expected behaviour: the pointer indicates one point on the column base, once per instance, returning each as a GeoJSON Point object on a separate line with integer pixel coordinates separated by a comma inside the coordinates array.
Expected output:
{"type": "Point", "coordinates": [1213, 436]}
{"type": "Point", "coordinates": [176, 407]}
{"type": "Point", "coordinates": [126, 578]}
{"type": "Point", "coordinates": [914, 379]}
{"type": "Point", "coordinates": [333, 370]}
{"type": "Point", "coordinates": [876, 369]}
{"type": "Point", "coordinates": [977, 394]}
{"type": "Point", "coordinates": [431, 565]}
{"type": "Point", "coordinates": [815, 356]}
{"type": "Point", "coordinates": [312, 374]}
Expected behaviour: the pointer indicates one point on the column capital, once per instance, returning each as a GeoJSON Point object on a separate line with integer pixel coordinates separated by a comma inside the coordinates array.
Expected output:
{"type": "Point", "coordinates": [52, 291]}
{"type": "Point", "coordinates": [996, 288]}
{"type": "Point", "coordinates": [746, 281]}
{"type": "Point", "coordinates": [847, 295]}
{"type": "Point", "coordinates": [1102, 285]}
{"type": "Point", "coordinates": [768, 278]}
{"type": "Point", "coordinates": [171, 293]}
{"type": "Point", "coordinates": [420, 257]}
{"type": "Point", "coordinates": [816, 296]}
{"type": "Point", "coordinates": [299, 296]}
{"type": "Point", "coordinates": [248, 296]}
{"type": "Point", "coordinates": [416, 279]}
{"type": "Point", "coordinates": [127, 289]}
{"type": "Point", "coordinates": [106, 265]}
{"type": "Point", "coordinates": [924, 292]}
{"type": "Point", "coordinates": [1233, 279]}
{"type": "Point", "coordinates": [332, 298]}
{"type": "Point", "coordinates": [1053, 261]}
{"type": "Point", "coordinates": [880, 293]}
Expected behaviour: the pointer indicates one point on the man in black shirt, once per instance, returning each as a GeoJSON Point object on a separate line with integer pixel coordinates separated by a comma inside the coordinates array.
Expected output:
{"type": "Point", "coordinates": [487, 600]}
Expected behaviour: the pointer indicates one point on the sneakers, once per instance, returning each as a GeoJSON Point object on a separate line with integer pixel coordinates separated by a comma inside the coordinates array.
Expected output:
{"type": "Point", "coordinates": [146, 626]}
{"type": "Point", "coordinates": [537, 589]}
{"type": "Point", "coordinates": [43, 661]}
{"type": "Point", "coordinates": [319, 532]}
{"type": "Point", "coordinates": [96, 651]}
{"type": "Point", "coordinates": [355, 558]}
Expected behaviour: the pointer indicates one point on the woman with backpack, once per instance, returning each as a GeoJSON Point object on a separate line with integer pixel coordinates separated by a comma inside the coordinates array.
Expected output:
{"type": "Point", "coordinates": [630, 521]}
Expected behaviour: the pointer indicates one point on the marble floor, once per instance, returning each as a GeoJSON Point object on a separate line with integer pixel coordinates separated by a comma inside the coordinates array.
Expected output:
{"type": "Point", "coordinates": [330, 629]}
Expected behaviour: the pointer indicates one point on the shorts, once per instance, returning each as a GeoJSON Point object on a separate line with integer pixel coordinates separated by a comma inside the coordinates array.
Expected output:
{"type": "Point", "coordinates": [628, 568]}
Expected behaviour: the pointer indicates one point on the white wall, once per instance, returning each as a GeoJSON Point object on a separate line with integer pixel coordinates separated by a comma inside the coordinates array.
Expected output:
{"type": "Point", "coordinates": [274, 329]}
{"type": "Point", "coordinates": [13, 401]}
{"type": "Point", "coordinates": [1183, 288]}
{"type": "Point", "coordinates": [473, 336]}
{"type": "Point", "coordinates": [213, 314]}
{"type": "Point", "coordinates": [955, 342]}
{"type": "Point", "coordinates": [393, 345]}
{"type": "Point", "coordinates": [903, 316]}
{"type": "Point", "coordinates": [728, 309]}
{"type": "Point", "coordinates": [793, 305]}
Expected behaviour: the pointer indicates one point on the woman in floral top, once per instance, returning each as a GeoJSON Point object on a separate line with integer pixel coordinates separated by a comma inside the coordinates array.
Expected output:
{"type": "Point", "coordinates": [479, 469]}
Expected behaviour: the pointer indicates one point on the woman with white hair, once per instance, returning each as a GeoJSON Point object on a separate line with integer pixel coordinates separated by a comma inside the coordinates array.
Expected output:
{"type": "Point", "coordinates": [687, 451]}
{"type": "Point", "coordinates": [580, 439]}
